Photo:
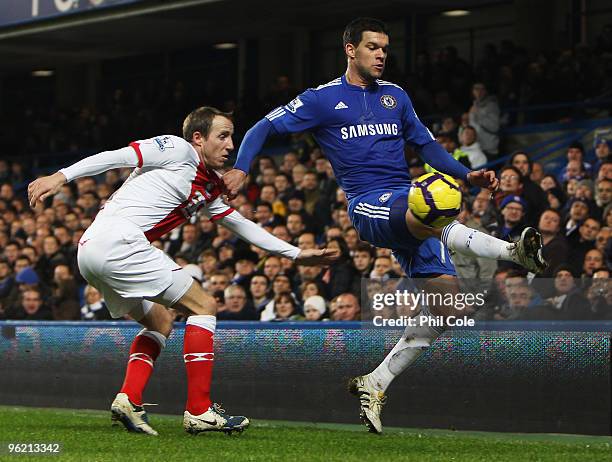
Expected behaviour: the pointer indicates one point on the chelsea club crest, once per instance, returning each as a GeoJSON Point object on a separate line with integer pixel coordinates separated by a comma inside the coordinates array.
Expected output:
{"type": "Point", "coordinates": [388, 101]}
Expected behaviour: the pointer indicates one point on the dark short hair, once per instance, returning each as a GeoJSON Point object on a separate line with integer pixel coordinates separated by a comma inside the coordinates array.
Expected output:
{"type": "Point", "coordinates": [265, 204]}
{"type": "Point", "coordinates": [576, 145]}
{"type": "Point", "coordinates": [556, 212]}
{"type": "Point", "coordinates": [200, 120]}
{"type": "Point", "coordinates": [355, 29]}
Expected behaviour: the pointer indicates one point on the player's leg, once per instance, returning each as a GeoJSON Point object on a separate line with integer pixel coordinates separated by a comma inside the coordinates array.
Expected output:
{"type": "Point", "coordinates": [526, 252]}
{"type": "Point", "coordinates": [415, 339]}
{"type": "Point", "coordinates": [146, 347]}
{"type": "Point", "coordinates": [430, 258]}
{"type": "Point", "coordinates": [201, 413]}
{"type": "Point", "coordinates": [127, 407]}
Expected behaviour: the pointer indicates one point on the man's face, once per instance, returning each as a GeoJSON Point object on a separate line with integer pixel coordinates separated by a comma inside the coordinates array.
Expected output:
{"type": "Point", "coordinates": [605, 171]}
{"type": "Point", "coordinates": [512, 213]}
{"type": "Point", "coordinates": [267, 194]}
{"type": "Point", "coordinates": [11, 252]}
{"type": "Point", "coordinates": [589, 229]}
{"type": "Point", "coordinates": [362, 260]}
{"type": "Point", "coordinates": [281, 233]}
{"type": "Point", "coordinates": [295, 204]}
{"type": "Point", "coordinates": [309, 273]}
{"type": "Point", "coordinates": [579, 211]}
{"type": "Point", "coordinates": [382, 266]}
{"type": "Point", "coordinates": [519, 297]}
{"type": "Point", "coordinates": [537, 172]}
{"type": "Point", "coordinates": [294, 224]}
{"type": "Point", "coordinates": [549, 223]}
{"type": "Point", "coordinates": [62, 235]}
{"type": "Point", "coordinates": [602, 150]}
{"type": "Point", "coordinates": [604, 192]}
{"type": "Point", "coordinates": [369, 55]}
{"type": "Point", "coordinates": [31, 301]}
{"type": "Point", "coordinates": [71, 221]}
{"type": "Point", "coordinates": [574, 169]}
{"type": "Point", "coordinates": [189, 234]}
{"type": "Point", "coordinates": [574, 154]}
{"type": "Point", "coordinates": [309, 183]}
{"type": "Point", "coordinates": [216, 147]}
{"type": "Point", "coordinates": [509, 181]}
{"type": "Point", "coordinates": [564, 282]}
{"type": "Point", "coordinates": [592, 260]}
{"type": "Point", "coordinates": [520, 161]}
{"type": "Point", "coordinates": [272, 267]}
{"type": "Point", "coordinates": [479, 91]}
{"type": "Point", "coordinates": [61, 273]}
{"type": "Point", "coordinates": [481, 202]}
{"type": "Point", "coordinates": [268, 176]}
{"type": "Point", "coordinates": [50, 246]}
{"type": "Point", "coordinates": [290, 160]}
{"type": "Point", "coordinates": [306, 241]}
{"type": "Point", "coordinates": [281, 183]}
{"type": "Point", "coordinates": [343, 218]}
{"type": "Point", "coordinates": [468, 136]}
{"type": "Point", "coordinates": [244, 267]}
{"type": "Point", "coordinates": [218, 282]}
{"type": "Point", "coordinates": [92, 295]}
{"type": "Point", "coordinates": [281, 284]}
{"type": "Point", "coordinates": [258, 286]}
{"type": "Point", "coordinates": [263, 214]}
{"type": "Point", "coordinates": [602, 239]}
{"type": "Point", "coordinates": [346, 309]}
{"type": "Point", "coordinates": [209, 263]}
{"type": "Point", "coordinates": [235, 300]}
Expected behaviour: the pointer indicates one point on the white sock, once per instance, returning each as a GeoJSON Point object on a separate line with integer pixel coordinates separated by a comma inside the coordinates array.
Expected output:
{"type": "Point", "coordinates": [413, 343]}
{"type": "Point", "coordinates": [474, 243]}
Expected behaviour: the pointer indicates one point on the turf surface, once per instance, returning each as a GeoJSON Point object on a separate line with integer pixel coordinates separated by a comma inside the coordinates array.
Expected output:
{"type": "Point", "coordinates": [87, 436]}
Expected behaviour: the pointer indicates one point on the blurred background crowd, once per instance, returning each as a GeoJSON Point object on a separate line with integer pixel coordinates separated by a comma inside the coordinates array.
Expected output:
{"type": "Point", "coordinates": [293, 194]}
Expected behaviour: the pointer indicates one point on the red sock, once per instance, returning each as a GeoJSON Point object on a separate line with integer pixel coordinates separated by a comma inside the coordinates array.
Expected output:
{"type": "Point", "coordinates": [199, 356]}
{"type": "Point", "coordinates": [143, 353]}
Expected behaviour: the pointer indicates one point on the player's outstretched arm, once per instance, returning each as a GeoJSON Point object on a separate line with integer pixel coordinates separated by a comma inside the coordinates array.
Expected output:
{"type": "Point", "coordinates": [253, 234]}
{"type": "Point", "coordinates": [44, 187]}
{"type": "Point", "coordinates": [251, 145]}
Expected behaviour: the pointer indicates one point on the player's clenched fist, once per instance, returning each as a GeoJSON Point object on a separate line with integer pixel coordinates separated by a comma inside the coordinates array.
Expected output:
{"type": "Point", "coordinates": [233, 180]}
{"type": "Point", "coordinates": [41, 188]}
{"type": "Point", "coordinates": [317, 257]}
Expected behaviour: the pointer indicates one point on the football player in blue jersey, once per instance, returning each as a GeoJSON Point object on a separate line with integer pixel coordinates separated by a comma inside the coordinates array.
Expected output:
{"type": "Point", "coordinates": [362, 123]}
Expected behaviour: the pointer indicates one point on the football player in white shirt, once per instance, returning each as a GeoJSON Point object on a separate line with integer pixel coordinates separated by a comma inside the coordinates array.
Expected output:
{"type": "Point", "coordinates": [173, 179]}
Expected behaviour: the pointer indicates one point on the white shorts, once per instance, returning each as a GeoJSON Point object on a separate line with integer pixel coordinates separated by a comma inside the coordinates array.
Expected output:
{"type": "Point", "coordinates": [116, 258]}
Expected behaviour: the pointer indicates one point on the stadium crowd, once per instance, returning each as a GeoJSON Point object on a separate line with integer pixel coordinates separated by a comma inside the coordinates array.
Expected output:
{"type": "Point", "coordinates": [299, 201]}
{"type": "Point", "coordinates": [295, 196]}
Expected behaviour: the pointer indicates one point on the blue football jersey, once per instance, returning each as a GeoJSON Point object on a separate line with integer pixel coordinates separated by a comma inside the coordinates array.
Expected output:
{"type": "Point", "coordinates": [361, 131]}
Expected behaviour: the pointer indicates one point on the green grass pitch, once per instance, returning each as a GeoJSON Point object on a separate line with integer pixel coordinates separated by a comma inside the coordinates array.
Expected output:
{"type": "Point", "coordinates": [88, 436]}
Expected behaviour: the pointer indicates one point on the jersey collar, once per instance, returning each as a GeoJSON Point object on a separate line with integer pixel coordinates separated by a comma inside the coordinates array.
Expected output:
{"type": "Point", "coordinates": [350, 86]}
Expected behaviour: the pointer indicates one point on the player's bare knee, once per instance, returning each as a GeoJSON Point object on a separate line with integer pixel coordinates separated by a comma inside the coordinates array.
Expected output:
{"type": "Point", "coordinates": [159, 319]}
{"type": "Point", "coordinates": [197, 302]}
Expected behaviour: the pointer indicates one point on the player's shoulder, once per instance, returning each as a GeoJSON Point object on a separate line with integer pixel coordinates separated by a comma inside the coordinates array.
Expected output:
{"type": "Point", "coordinates": [170, 150]}
{"type": "Point", "coordinates": [329, 86]}
{"type": "Point", "coordinates": [389, 86]}
{"type": "Point", "coordinates": [166, 142]}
